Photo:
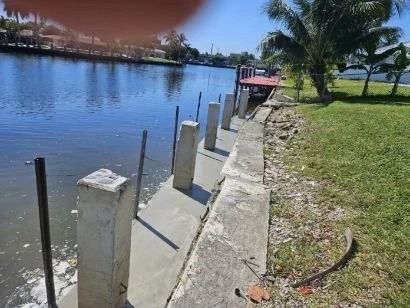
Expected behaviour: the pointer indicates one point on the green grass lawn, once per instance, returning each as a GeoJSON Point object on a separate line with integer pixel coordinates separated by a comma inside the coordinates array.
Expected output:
{"type": "Point", "coordinates": [361, 147]}
{"type": "Point", "coordinates": [160, 60]}
{"type": "Point", "coordinates": [350, 89]}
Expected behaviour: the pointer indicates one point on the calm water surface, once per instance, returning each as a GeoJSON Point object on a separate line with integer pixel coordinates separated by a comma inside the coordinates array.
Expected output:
{"type": "Point", "coordinates": [81, 116]}
{"type": "Point", "coordinates": [360, 74]}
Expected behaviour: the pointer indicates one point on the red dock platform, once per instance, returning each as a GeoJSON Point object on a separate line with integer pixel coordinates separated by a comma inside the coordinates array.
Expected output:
{"type": "Point", "coordinates": [259, 81]}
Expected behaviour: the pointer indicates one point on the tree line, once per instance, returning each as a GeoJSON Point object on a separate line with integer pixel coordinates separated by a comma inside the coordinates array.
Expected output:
{"type": "Point", "coordinates": [324, 35]}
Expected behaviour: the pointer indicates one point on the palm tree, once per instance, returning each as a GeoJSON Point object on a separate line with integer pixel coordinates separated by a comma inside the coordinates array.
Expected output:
{"type": "Point", "coordinates": [401, 62]}
{"type": "Point", "coordinates": [173, 42]}
{"type": "Point", "coordinates": [319, 32]}
{"type": "Point", "coordinates": [182, 39]}
{"type": "Point", "coordinates": [171, 37]}
{"type": "Point", "coordinates": [367, 55]}
{"type": "Point", "coordinates": [12, 12]}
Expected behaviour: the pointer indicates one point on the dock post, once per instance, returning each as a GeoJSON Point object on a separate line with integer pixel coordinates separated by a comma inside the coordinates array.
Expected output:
{"type": "Point", "coordinates": [243, 103]}
{"type": "Point", "coordinates": [212, 126]}
{"type": "Point", "coordinates": [174, 145]}
{"type": "Point", "coordinates": [199, 106]}
{"type": "Point", "coordinates": [243, 69]}
{"type": "Point", "coordinates": [228, 110]}
{"type": "Point", "coordinates": [41, 180]}
{"type": "Point", "coordinates": [185, 157]}
{"type": "Point", "coordinates": [236, 89]}
{"type": "Point", "coordinates": [103, 239]}
{"type": "Point", "coordinates": [140, 171]}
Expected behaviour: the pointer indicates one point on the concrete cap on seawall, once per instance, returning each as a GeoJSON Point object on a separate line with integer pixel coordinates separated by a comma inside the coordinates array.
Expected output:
{"type": "Point", "coordinates": [104, 179]}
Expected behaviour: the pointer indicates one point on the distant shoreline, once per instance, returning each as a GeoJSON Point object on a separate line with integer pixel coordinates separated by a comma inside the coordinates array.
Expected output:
{"type": "Point", "coordinates": [83, 56]}
{"type": "Point", "coordinates": [377, 77]}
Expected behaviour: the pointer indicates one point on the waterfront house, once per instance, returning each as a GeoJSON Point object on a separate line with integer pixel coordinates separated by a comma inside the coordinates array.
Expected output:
{"type": "Point", "coordinates": [27, 37]}
{"type": "Point", "coordinates": [159, 53]}
{"type": "Point", "coordinates": [3, 34]}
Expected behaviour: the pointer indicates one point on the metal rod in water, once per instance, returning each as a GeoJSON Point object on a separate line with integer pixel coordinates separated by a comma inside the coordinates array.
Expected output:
{"type": "Point", "coordinates": [45, 229]}
{"type": "Point", "coordinates": [237, 79]}
{"type": "Point", "coordinates": [199, 105]}
{"type": "Point", "coordinates": [140, 171]}
{"type": "Point", "coordinates": [174, 146]}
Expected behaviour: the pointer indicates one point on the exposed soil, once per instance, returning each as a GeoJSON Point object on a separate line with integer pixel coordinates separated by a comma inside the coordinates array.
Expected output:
{"type": "Point", "coordinates": [304, 235]}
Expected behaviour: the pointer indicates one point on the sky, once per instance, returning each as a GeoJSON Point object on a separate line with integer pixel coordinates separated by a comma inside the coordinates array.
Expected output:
{"type": "Point", "coordinates": [239, 25]}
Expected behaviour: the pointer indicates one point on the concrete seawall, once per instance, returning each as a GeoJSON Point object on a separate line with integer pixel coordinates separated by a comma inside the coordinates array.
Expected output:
{"type": "Point", "coordinates": [81, 55]}
{"type": "Point", "coordinates": [162, 236]}
{"type": "Point", "coordinates": [180, 260]}
{"type": "Point", "coordinates": [236, 229]}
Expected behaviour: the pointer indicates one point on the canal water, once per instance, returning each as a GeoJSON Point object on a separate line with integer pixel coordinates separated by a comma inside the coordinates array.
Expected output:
{"type": "Point", "coordinates": [81, 116]}
{"type": "Point", "coordinates": [361, 74]}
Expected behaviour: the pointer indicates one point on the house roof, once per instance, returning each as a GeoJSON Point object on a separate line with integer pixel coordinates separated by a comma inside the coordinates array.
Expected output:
{"type": "Point", "coordinates": [26, 32]}
{"type": "Point", "coordinates": [82, 39]}
{"type": "Point", "coordinates": [159, 51]}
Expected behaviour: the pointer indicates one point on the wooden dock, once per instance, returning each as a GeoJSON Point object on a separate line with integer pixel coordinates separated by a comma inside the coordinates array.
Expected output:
{"type": "Point", "coordinates": [246, 78]}
{"type": "Point", "coordinates": [260, 82]}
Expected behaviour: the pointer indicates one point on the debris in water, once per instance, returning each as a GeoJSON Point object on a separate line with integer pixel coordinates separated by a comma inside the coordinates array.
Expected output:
{"type": "Point", "coordinates": [142, 206]}
{"type": "Point", "coordinates": [72, 262]}
{"type": "Point", "coordinates": [118, 165]}
{"type": "Point", "coordinates": [26, 245]}
{"type": "Point", "coordinates": [28, 162]}
{"type": "Point", "coordinates": [74, 211]}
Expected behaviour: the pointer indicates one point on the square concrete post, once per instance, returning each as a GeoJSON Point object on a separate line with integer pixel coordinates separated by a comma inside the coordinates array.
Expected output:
{"type": "Point", "coordinates": [228, 110]}
{"type": "Point", "coordinates": [103, 238]}
{"type": "Point", "coordinates": [212, 126]}
{"type": "Point", "coordinates": [185, 156]}
{"type": "Point", "coordinates": [243, 103]}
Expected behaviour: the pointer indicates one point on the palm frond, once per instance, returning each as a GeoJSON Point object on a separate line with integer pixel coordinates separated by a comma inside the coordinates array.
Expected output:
{"type": "Point", "coordinates": [278, 10]}
{"type": "Point", "coordinates": [279, 42]}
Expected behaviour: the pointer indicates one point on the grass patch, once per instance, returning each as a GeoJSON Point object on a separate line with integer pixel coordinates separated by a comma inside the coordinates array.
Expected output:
{"type": "Point", "coordinates": [363, 150]}
{"type": "Point", "coordinates": [350, 90]}
{"type": "Point", "coordinates": [160, 60]}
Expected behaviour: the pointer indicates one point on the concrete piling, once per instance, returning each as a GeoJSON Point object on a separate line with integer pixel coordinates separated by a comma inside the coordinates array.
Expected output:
{"type": "Point", "coordinates": [228, 110]}
{"type": "Point", "coordinates": [212, 126]}
{"type": "Point", "coordinates": [103, 236]}
{"type": "Point", "coordinates": [243, 103]}
{"type": "Point", "coordinates": [185, 158]}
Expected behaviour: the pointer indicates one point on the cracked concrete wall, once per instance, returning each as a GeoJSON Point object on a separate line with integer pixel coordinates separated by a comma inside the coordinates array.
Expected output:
{"type": "Point", "coordinates": [237, 229]}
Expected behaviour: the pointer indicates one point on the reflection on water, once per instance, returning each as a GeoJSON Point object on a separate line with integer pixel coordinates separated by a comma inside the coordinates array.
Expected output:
{"type": "Point", "coordinates": [174, 78]}
{"type": "Point", "coordinates": [81, 116]}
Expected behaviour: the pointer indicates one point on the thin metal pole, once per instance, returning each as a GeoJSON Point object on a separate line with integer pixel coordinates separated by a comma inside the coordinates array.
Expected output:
{"type": "Point", "coordinates": [174, 146]}
{"type": "Point", "coordinates": [238, 68]}
{"type": "Point", "coordinates": [140, 170]}
{"type": "Point", "coordinates": [41, 180]}
{"type": "Point", "coordinates": [199, 106]}
{"type": "Point", "coordinates": [219, 99]}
